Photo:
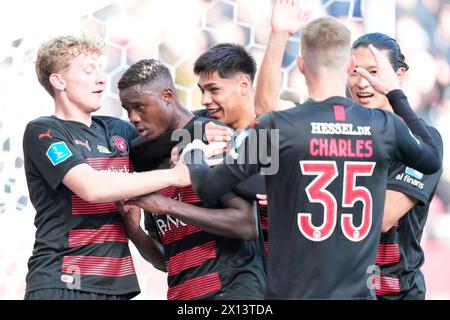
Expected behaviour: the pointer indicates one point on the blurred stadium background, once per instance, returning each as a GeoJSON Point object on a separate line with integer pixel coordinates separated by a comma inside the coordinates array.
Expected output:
{"type": "Point", "coordinates": [177, 32]}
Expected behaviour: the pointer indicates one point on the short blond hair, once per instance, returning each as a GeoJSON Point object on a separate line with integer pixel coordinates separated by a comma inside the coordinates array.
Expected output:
{"type": "Point", "coordinates": [325, 42]}
{"type": "Point", "coordinates": [55, 54]}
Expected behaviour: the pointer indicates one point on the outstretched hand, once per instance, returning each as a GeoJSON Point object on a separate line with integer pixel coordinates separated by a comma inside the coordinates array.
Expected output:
{"type": "Point", "coordinates": [385, 80]}
{"type": "Point", "coordinates": [287, 18]}
{"type": "Point", "coordinates": [217, 133]}
{"type": "Point", "coordinates": [153, 202]}
{"type": "Point", "coordinates": [209, 150]}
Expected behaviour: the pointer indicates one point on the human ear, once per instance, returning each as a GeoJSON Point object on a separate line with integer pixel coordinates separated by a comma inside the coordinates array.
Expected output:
{"type": "Point", "coordinates": [57, 81]}
{"type": "Point", "coordinates": [300, 64]}
{"type": "Point", "coordinates": [244, 83]}
{"type": "Point", "coordinates": [167, 95]}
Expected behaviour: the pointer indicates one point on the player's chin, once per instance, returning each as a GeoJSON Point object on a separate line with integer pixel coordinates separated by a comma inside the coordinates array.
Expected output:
{"type": "Point", "coordinates": [150, 135]}
{"type": "Point", "coordinates": [368, 103]}
{"type": "Point", "coordinates": [95, 106]}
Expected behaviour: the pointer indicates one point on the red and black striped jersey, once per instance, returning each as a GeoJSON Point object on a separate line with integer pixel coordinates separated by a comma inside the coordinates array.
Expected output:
{"type": "Point", "coordinates": [400, 254]}
{"type": "Point", "coordinates": [79, 245]}
{"type": "Point", "coordinates": [201, 265]}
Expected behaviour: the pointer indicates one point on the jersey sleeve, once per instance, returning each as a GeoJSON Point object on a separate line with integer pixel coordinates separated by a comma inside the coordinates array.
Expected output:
{"type": "Point", "coordinates": [227, 196]}
{"type": "Point", "coordinates": [412, 182]}
{"type": "Point", "coordinates": [50, 151]}
{"type": "Point", "coordinates": [412, 151]}
{"type": "Point", "coordinates": [414, 145]}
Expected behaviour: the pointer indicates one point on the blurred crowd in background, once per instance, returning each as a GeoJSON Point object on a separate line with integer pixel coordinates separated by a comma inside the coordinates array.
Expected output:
{"type": "Point", "coordinates": [177, 32]}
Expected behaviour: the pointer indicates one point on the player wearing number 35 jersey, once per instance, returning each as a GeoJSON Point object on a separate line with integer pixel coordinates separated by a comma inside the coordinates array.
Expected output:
{"type": "Point", "coordinates": [333, 156]}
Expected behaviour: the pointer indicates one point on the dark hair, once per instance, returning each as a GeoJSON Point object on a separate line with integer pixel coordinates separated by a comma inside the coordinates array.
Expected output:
{"type": "Point", "coordinates": [382, 41]}
{"type": "Point", "coordinates": [228, 59]}
{"type": "Point", "coordinates": [144, 72]}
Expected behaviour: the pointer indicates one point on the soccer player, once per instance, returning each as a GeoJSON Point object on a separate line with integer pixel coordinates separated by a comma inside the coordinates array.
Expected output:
{"type": "Point", "coordinates": [77, 166]}
{"type": "Point", "coordinates": [328, 193]}
{"type": "Point", "coordinates": [226, 73]}
{"type": "Point", "coordinates": [211, 251]}
{"type": "Point", "coordinates": [409, 192]}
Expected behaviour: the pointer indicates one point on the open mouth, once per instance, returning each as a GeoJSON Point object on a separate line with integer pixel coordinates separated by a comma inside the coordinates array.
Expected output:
{"type": "Point", "coordinates": [364, 95]}
{"type": "Point", "coordinates": [214, 111]}
{"type": "Point", "coordinates": [141, 130]}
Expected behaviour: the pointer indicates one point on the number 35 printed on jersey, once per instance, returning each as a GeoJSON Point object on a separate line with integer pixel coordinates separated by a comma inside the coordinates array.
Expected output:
{"type": "Point", "coordinates": [326, 172]}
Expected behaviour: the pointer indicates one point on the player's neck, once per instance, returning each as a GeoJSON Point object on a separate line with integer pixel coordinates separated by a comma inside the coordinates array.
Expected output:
{"type": "Point", "coordinates": [181, 118]}
{"type": "Point", "coordinates": [323, 87]}
{"type": "Point", "coordinates": [247, 116]}
{"type": "Point", "coordinates": [70, 112]}
{"type": "Point", "coordinates": [388, 107]}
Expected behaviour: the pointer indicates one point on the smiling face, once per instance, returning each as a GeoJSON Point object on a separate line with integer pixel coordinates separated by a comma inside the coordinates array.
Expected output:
{"type": "Point", "coordinates": [362, 92]}
{"type": "Point", "coordinates": [83, 82]}
{"type": "Point", "coordinates": [225, 98]}
{"type": "Point", "coordinates": [148, 108]}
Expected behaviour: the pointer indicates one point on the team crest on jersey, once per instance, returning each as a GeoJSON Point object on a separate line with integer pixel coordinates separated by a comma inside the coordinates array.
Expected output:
{"type": "Point", "coordinates": [120, 144]}
{"type": "Point", "coordinates": [58, 152]}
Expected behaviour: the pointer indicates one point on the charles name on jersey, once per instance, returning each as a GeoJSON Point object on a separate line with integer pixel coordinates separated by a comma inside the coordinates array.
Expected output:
{"type": "Point", "coordinates": [340, 147]}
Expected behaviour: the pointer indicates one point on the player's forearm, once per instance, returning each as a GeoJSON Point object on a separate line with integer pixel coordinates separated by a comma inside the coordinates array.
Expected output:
{"type": "Point", "coordinates": [228, 222]}
{"type": "Point", "coordinates": [397, 204]}
{"type": "Point", "coordinates": [429, 160]}
{"type": "Point", "coordinates": [149, 249]}
{"type": "Point", "coordinates": [211, 183]}
{"type": "Point", "coordinates": [269, 77]}
{"type": "Point", "coordinates": [108, 187]}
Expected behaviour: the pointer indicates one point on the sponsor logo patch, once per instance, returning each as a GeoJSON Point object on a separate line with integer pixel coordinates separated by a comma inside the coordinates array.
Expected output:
{"type": "Point", "coordinates": [103, 149]}
{"type": "Point", "coordinates": [414, 173]}
{"type": "Point", "coordinates": [58, 152]}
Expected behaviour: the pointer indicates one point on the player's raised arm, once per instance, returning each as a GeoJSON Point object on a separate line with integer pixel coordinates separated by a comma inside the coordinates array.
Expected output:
{"type": "Point", "coordinates": [287, 19]}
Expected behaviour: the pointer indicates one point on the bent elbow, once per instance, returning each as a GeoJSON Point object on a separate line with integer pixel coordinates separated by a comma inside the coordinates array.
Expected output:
{"type": "Point", "coordinates": [92, 196]}
{"type": "Point", "coordinates": [432, 166]}
{"type": "Point", "coordinates": [249, 232]}
{"type": "Point", "coordinates": [250, 236]}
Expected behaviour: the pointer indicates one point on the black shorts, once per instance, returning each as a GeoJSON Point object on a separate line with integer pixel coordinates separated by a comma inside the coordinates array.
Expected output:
{"type": "Point", "coordinates": [66, 294]}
